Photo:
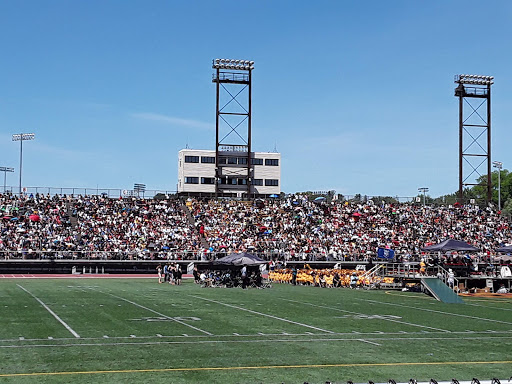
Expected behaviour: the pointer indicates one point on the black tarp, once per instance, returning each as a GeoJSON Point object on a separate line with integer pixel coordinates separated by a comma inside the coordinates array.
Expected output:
{"type": "Point", "coordinates": [505, 249]}
{"type": "Point", "coordinates": [450, 245]}
{"type": "Point", "coordinates": [243, 258]}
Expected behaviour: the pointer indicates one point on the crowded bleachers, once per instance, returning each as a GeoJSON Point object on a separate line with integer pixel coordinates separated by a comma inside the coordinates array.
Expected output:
{"type": "Point", "coordinates": [290, 229]}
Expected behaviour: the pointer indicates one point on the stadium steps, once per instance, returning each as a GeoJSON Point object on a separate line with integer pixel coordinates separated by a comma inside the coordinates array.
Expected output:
{"type": "Point", "coordinates": [440, 290]}
{"type": "Point", "coordinates": [192, 222]}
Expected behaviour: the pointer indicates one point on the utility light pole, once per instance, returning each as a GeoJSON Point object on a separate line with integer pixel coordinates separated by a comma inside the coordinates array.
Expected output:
{"type": "Point", "coordinates": [424, 190]}
{"type": "Point", "coordinates": [21, 137]}
{"type": "Point", "coordinates": [498, 165]}
{"type": "Point", "coordinates": [5, 170]}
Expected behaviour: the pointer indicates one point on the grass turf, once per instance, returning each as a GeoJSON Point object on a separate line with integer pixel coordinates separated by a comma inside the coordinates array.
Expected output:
{"type": "Point", "coordinates": [117, 330]}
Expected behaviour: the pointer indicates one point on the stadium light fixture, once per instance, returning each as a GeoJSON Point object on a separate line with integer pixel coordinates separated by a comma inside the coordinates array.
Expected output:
{"type": "Point", "coordinates": [424, 190]}
{"type": "Point", "coordinates": [498, 165]}
{"type": "Point", "coordinates": [21, 137]}
{"type": "Point", "coordinates": [5, 170]}
{"type": "Point", "coordinates": [474, 79]}
{"type": "Point", "coordinates": [238, 65]}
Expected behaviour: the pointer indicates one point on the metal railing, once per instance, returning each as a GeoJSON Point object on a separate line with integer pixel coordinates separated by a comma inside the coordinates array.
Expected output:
{"type": "Point", "coordinates": [106, 192]}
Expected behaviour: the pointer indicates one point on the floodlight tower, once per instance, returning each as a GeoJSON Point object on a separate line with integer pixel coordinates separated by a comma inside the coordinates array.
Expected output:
{"type": "Point", "coordinates": [5, 170]}
{"type": "Point", "coordinates": [22, 137]}
{"type": "Point", "coordinates": [475, 128]}
{"type": "Point", "coordinates": [233, 164]}
{"type": "Point", "coordinates": [498, 165]}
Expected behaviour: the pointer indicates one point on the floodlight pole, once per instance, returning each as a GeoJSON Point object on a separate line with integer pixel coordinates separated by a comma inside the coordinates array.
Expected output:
{"type": "Point", "coordinates": [474, 87]}
{"type": "Point", "coordinates": [233, 73]}
{"type": "Point", "coordinates": [498, 165]}
{"type": "Point", "coordinates": [22, 137]}
{"type": "Point", "coordinates": [423, 189]}
{"type": "Point", "coordinates": [5, 170]}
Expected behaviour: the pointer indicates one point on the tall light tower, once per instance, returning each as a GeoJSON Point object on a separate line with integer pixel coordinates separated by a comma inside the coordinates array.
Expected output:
{"type": "Point", "coordinates": [22, 137]}
{"type": "Point", "coordinates": [424, 190]}
{"type": "Point", "coordinates": [474, 130]}
{"type": "Point", "coordinates": [233, 152]}
{"type": "Point", "coordinates": [5, 170]}
{"type": "Point", "coordinates": [498, 165]}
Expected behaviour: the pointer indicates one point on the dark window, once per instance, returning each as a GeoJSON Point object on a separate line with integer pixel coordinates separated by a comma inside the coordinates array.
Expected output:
{"type": "Point", "coordinates": [191, 180]}
{"type": "Point", "coordinates": [242, 181]}
{"type": "Point", "coordinates": [191, 159]}
{"type": "Point", "coordinates": [232, 160]}
{"type": "Point", "coordinates": [222, 160]}
{"type": "Point", "coordinates": [257, 161]}
{"type": "Point", "coordinates": [257, 182]}
{"type": "Point", "coordinates": [242, 160]}
{"type": "Point", "coordinates": [207, 180]}
{"type": "Point", "coordinates": [208, 159]}
{"type": "Point", "coordinates": [271, 161]}
{"type": "Point", "coordinates": [271, 182]}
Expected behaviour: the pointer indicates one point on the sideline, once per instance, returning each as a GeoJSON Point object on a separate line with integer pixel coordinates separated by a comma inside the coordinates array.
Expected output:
{"type": "Point", "coordinates": [197, 369]}
{"type": "Point", "coordinates": [52, 313]}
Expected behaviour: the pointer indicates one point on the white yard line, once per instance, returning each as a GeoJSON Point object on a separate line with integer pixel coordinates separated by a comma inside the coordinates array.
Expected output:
{"type": "Point", "coordinates": [156, 312]}
{"type": "Point", "coordinates": [263, 314]}
{"type": "Point", "coordinates": [441, 312]}
{"type": "Point", "coordinates": [198, 342]}
{"type": "Point", "coordinates": [359, 313]}
{"type": "Point", "coordinates": [52, 313]}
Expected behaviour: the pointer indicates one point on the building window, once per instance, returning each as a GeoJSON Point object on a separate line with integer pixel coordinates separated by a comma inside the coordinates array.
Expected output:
{"type": "Point", "coordinates": [222, 160]}
{"type": "Point", "coordinates": [242, 160]}
{"type": "Point", "coordinates": [232, 160]}
{"type": "Point", "coordinates": [207, 180]}
{"type": "Point", "coordinates": [208, 159]}
{"type": "Point", "coordinates": [257, 161]}
{"type": "Point", "coordinates": [242, 181]}
{"type": "Point", "coordinates": [272, 162]}
{"type": "Point", "coordinates": [257, 182]}
{"type": "Point", "coordinates": [191, 180]}
{"type": "Point", "coordinates": [191, 159]}
{"type": "Point", "coordinates": [271, 182]}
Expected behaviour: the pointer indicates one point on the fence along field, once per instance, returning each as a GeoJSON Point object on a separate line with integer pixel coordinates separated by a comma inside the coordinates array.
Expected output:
{"type": "Point", "coordinates": [93, 330]}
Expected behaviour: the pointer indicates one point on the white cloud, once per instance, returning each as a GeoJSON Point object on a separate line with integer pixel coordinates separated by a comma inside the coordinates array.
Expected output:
{"type": "Point", "coordinates": [173, 120]}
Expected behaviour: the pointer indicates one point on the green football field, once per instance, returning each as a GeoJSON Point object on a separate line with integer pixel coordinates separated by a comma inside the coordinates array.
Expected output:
{"type": "Point", "coordinates": [137, 331]}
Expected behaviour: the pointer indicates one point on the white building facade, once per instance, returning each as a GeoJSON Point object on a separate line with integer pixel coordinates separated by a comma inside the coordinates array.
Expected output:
{"type": "Point", "coordinates": [197, 176]}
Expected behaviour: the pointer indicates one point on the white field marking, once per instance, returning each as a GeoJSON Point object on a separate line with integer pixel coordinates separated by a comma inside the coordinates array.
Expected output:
{"type": "Point", "coordinates": [133, 336]}
{"type": "Point", "coordinates": [185, 335]}
{"type": "Point", "coordinates": [264, 314]}
{"type": "Point", "coordinates": [358, 313]}
{"type": "Point", "coordinates": [390, 334]}
{"type": "Point", "coordinates": [369, 342]}
{"type": "Point", "coordinates": [489, 307]}
{"type": "Point", "coordinates": [158, 313]}
{"type": "Point", "coordinates": [441, 312]}
{"type": "Point", "coordinates": [52, 313]}
{"type": "Point", "coordinates": [124, 343]}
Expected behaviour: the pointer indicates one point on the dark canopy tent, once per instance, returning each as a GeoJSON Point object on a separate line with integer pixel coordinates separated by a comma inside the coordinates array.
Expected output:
{"type": "Point", "coordinates": [239, 259]}
{"type": "Point", "coordinates": [505, 249]}
{"type": "Point", "coordinates": [450, 245]}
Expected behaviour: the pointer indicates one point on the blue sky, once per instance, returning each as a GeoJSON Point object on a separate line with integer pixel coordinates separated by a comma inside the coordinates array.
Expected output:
{"type": "Point", "coordinates": [356, 95]}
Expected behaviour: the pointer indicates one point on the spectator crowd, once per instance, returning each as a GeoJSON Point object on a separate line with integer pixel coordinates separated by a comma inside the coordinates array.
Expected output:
{"type": "Point", "coordinates": [293, 228]}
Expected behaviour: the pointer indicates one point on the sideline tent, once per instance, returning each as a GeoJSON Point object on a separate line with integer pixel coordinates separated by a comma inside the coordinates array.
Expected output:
{"type": "Point", "coordinates": [450, 245]}
{"type": "Point", "coordinates": [505, 249]}
{"type": "Point", "coordinates": [239, 259]}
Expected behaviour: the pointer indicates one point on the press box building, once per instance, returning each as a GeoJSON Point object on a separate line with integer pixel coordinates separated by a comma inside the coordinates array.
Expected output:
{"type": "Point", "coordinates": [197, 174]}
